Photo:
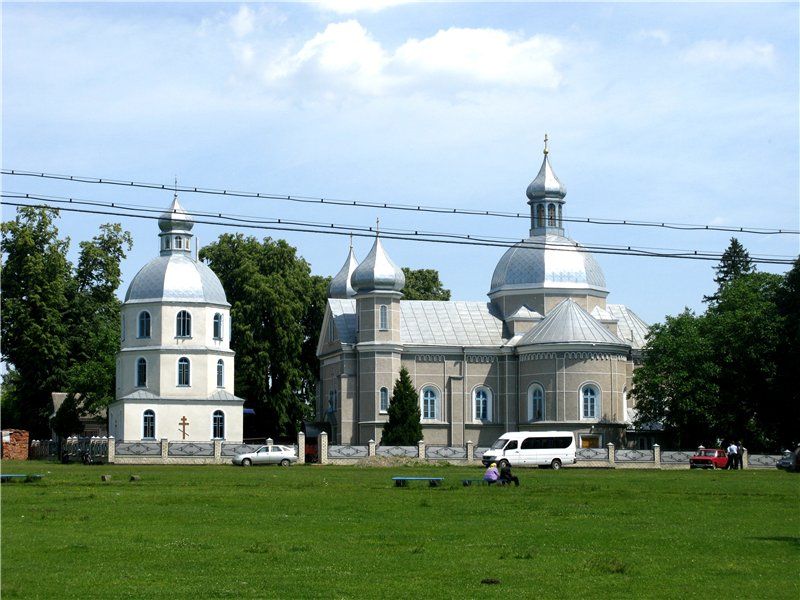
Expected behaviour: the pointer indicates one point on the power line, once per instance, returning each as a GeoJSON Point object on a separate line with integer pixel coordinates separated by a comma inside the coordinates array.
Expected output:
{"type": "Point", "coordinates": [337, 230]}
{"type": "Point", "coordinates": [239, 219]}
{"type": "Point", "coordinates": [393, 206]}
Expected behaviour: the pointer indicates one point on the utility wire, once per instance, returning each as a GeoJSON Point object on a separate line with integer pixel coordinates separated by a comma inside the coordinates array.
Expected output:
{"type": "Point", "coordinates": [238, 219]}
{"type": "Point", "coordinates": [334, 230]}
{"type": "Point", "coordinates": [392, 206]}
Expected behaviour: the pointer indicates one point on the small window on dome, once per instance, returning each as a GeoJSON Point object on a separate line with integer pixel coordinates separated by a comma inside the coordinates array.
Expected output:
{"type": "Point", "coordinates": [166, 243]}
{"type": "Point", "coordinates": [540, 215]}
{"type": "Point", "coordinates": [551, 215]}
{"type": "Point", "coordinates": [178, 242]}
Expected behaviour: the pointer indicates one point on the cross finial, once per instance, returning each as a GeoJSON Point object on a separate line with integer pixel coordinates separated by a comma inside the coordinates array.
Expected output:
{"type": "Point", "coordinates": [175, 194]}
{"type": "Point", "coordinates": [351, 241]}
{"type": "Point", "coordinates": [545, 145]}
{"type": "Point", "coordinates": [377, 226]}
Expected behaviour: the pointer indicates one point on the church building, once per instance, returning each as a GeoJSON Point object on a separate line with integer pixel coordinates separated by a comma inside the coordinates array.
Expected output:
{"type": "Point", "coordinates": [546, 352]}
{"type": "Point", "coordinates": [175, 365]}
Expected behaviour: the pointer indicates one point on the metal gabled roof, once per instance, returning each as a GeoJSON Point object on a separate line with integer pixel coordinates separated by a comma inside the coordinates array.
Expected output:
{"type": "Point", "coordinates": [568, 323]}
{"type": "Point", "coordinates": [630, 327]}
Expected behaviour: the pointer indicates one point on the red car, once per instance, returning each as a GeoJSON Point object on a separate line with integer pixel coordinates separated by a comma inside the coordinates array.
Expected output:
{"type": "Point", "coordinates": [709, 458]}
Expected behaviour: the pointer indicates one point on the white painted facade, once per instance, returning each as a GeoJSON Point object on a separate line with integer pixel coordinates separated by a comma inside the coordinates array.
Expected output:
{"type": "Point", "coordinates": [175, 368]}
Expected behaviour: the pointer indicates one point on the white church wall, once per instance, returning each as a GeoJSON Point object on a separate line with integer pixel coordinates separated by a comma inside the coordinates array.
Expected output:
{"type": "Point", "coordinates": [169, 417]}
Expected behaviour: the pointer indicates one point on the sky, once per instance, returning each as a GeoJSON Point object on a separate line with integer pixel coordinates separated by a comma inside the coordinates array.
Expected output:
{"type": "Point", "coordinates": [667, 112]}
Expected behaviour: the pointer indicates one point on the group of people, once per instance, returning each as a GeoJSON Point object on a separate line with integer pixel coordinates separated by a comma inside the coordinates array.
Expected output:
{"type": "Point", "coordinates": [503, 476]}
{"type": "Point", "coordinates": [735, 454]}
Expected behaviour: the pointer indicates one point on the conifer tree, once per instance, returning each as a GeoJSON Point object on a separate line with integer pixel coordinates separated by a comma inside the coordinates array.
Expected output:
{"type": "Point", "coordinates": [734, 263]}
{"type": "Point", "coordinates": [403, 427]}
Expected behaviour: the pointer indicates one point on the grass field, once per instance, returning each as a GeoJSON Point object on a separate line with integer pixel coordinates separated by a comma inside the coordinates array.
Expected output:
{"type": "Point", "coordinates": [345, 532]}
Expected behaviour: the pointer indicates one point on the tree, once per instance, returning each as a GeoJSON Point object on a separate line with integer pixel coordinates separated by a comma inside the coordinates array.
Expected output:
{"type": "Point", "coordinates": [677, 383]}
{"type": "Point", "coordinates": [35, 278]}
{"type": "Point", "coordinates": [60, 327]}
{"type": "Point", "coordinates": [784, 411]}
{"type": "Point", "coordinates": [735, 262]}
{"type": "Point", "coordinates": [276, 311]}
{"type": "Point", "coordinates": [424, 284]}
{"type": "Point", "coordinates": [403, 427]}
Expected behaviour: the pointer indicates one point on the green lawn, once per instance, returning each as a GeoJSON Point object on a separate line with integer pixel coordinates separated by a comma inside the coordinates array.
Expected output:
{"type": "Point", "coordinates": [345, 532]}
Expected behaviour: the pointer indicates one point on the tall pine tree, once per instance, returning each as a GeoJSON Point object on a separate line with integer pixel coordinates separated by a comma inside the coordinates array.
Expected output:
{"type": "Point", "coordinates": [734, 263]}
{"type": "Point", "coordinates": [403, 427]}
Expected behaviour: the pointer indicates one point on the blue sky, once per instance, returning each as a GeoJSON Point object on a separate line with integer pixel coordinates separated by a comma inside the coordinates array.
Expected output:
{"type": "Point", "coordinates": [661, 112]}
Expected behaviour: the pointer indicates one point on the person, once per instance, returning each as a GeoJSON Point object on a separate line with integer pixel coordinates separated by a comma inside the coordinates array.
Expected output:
{"type": "Point", "coordinates": [492, 475]}
{"type": "Point", "coordinates": [506, 477]}
{"type": "Point", "coordinates": [739, 455]}
{"type": "Point", "coordinates": [731, 464]}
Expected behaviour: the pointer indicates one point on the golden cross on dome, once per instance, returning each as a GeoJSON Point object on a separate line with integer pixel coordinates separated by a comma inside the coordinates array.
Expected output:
{"type": "Point", "coordinates": [545, 145]}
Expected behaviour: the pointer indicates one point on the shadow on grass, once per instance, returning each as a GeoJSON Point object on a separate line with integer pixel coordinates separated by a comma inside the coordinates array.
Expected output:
{"type": "Point", "coordinates": [792, 540]}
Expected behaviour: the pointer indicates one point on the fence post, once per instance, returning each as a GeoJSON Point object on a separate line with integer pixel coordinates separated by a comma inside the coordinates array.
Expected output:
{"type": "Point", "coordinates": [611, 459]}
{"type": "Point", "coordinates": [269, 441]}
{"type": "Point", "coordinates": [112, 449]}
{"type": "Point", "coordinates": [470, 450]}
{"type": "Point", "coordinates": [746, 459]}
{"type": "Point", "coordinates": [657, 455]}
{"type": "Point", "coordinates": [164, 449]}
{"type": "Point", "coordinates": [323, 448]}
{"type": "Point", "coordinates": [301, 447]}
{"type": "Point", "coordinates": [371, 448]}
{"type": "Point", "coordinates": [421, 449]}
{"type": "Point", "coordinates": [218, 451]}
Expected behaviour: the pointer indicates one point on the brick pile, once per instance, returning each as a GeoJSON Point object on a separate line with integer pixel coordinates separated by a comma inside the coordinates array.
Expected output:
{"type": "Point", "coordinates": [15, 444]}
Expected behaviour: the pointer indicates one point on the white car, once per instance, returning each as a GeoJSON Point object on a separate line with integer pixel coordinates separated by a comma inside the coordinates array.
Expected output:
{"type": "Point", "coordinates": [267, 455]}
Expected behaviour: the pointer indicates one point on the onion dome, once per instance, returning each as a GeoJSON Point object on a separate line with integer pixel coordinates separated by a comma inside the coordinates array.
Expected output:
{"type": "Point", "coordinates": [546, 184]}
{"type": "Point", "coordinates": [547, 261]}
{"type": "Point", "coordinates": [340, 285]}
{"type": "Point", "coordinates": [377, 272]}
{"type": "Point", "coordinates": [175, 218]}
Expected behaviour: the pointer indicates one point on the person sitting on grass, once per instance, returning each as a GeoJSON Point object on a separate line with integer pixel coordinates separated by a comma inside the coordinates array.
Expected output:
{"type": "Point", "coordinates": [492, 475]}
{"type": "Point", "coordinates": [506, 477]}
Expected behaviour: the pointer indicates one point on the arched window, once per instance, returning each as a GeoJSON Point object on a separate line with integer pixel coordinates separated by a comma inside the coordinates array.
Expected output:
{"type": "Point", "coordinates": [589, 402]}
{"type": "Point", "coordinates": [332, 401]}
{"type": "Point", "coordinates": [220, 373]}
{"type": "Point", "coordinates": [178, 242]}
{"type": "Point", "coordinates": [430, 404]}
{"type": "Point", "coordinates": [535, 402]}
{"type": "Point", "coordinates": [217, 326]}
{"type": "Point", "coordinates": [149, 425]}
{"type": "Point", "coordinates": [331, 330]}
{"type": "Point", "coordinates": [551, 215]}
{"type": "Point", "coordinates": [384, 324]}
{"type": "Point", "coordinates": [183, 371]}
{"type": "Point", "coordinates": [384, 400]}
{"type": "Point", "coordinates": [540, 215]}
{"type": "Point", "coordinates": [144, 325]}
{"type": "Point", "coordinates": [166, 243]}
{"type": "Point", "coordinates": [218, 425]}
{"type": "Point", "coordinates": [183, 324]}
{"type": "Point", "coordinates": [482, 401]}
{"type": "Point", "coordinates": [141, 373]}
{"type": "Point", "coordinates": [559, 216]}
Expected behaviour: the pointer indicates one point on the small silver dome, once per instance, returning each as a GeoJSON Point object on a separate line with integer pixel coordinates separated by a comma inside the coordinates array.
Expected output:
{"type": "Point", "coordinates": [340, 285]}
{"type": "Point", "coordinates": [547, 261]}
{"type": "Point", "coordinates": [377, 272]}
{"type": "Point", "coordinates": [175, 218]}
{"type": "Point", "coordinates": [546, 184]}
{"type": "Point", "coordinates": [176, 277]}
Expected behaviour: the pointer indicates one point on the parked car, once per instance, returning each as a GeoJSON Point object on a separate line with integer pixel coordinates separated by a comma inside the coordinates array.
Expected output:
{"type": "Point", "coordinates": [267, 455]}
{"type": "Point", "coordinates": [788, 462]}
{"type": "Point", "coordinates": [709, 458]}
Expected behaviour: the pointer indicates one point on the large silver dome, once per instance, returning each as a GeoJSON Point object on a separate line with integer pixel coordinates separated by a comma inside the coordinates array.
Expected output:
{"type": "Point", "coordinates": [547, 261]}
{"type": "Point", "coordinates": [377, 272]}
{"type": "Point", "coordinates": [176, 277]}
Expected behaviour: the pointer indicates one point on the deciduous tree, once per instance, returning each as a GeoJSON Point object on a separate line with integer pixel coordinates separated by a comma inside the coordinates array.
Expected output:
{"type": "Point", "coordinates": [424, 284]}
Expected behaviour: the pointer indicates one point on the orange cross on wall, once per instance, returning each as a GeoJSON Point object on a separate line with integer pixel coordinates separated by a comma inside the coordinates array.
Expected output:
{"type": "Point", "coordinates": [183, 423]}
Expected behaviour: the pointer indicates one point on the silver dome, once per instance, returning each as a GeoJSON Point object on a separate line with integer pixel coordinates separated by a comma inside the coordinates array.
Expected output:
{"type": "Point", "coordinates": [340, 285]}
{"type": "Point", "coordinates": [559, 264]}
{"type": "Point", "coordinates": [176, 277]}
{"type": "Point", "coordinates": [175, 218]}
{"type": "Point", "coordinates": [377, 272]}
{"type": "Point", "coordinates": [546, 184]}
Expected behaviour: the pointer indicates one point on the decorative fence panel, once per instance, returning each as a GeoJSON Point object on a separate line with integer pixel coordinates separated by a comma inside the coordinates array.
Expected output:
{"type": "Point", "coordinates": [138, 448]}
{"type": "Point", "coordinates": [634, 456]}
{"type": "Point", "coordinates": [445, 452]}
{"type": "Point", "coordinates": [229, 449]}
{"type": "Point", "coordinates": [676, 457]}
{"type": "Point", "coordinates": [759, 461]}
{"type": "Point", "coordinates": [397, 451]}
{"type": "Point", "coordinates": [190, 449]}
{"type": "Point", "coordinates": [348, 451]}
{"type": "Point", "coordinates": [591, 454]}
{"type": "Point", "coordinates": [477, 453]}
{"type": "Point", "coordinates": [43, 449]}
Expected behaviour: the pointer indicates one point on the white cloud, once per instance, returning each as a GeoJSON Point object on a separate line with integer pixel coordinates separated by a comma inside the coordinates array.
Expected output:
{"type": "Point", "coordinates": [346, 7]}
{"type": "Point", "coordinates": [659, 35]}
{"type": "Point", "coordinates": [746, 53]}
{"type": "Point", "coordinates": [348, 56]}
{"type": "Point", "coordinates": [243, 22]}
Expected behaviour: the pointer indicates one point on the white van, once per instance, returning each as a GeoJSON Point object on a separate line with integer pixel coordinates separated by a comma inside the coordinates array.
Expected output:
{"type": "Point", "coordinates": [532, 448]}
